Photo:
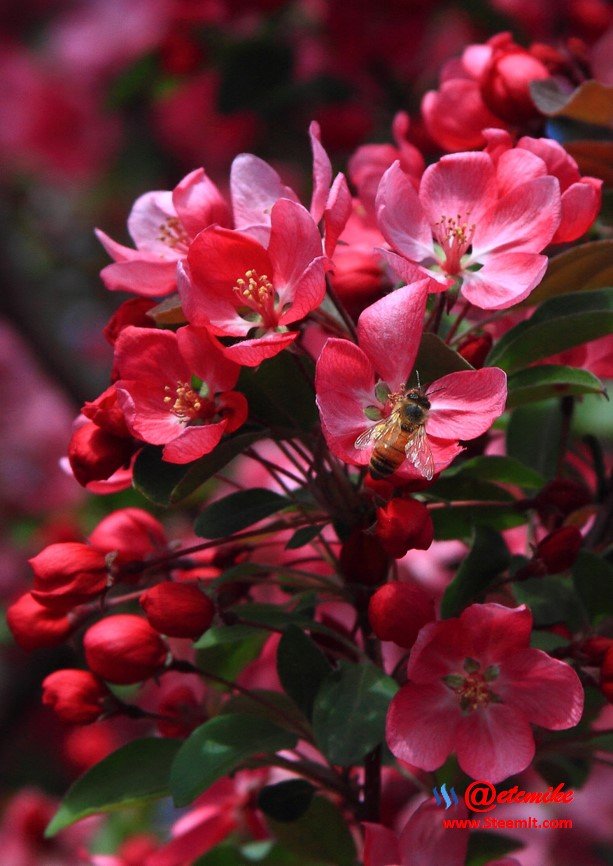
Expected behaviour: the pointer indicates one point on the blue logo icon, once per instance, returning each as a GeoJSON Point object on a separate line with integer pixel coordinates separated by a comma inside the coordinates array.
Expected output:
{"type": "Point", "coordinates": [443, 796]}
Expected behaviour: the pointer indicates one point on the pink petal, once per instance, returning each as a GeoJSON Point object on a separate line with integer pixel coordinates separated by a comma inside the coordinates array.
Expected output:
{"type": "Point", "coordinates": [421, 724]}
{"type": "Point", "coordinates": [440, 649]}
{"type": "Point", "coordinates": [462, 184]}
{"type": "Point", "coordinates": [580, 207]}
{"type": "Point", "coordinates": [504, 280]}
{"type": "Point", "coordinates": [147, 279]}
{"type": "Point", "coordinates": [558, 161]}
{"type": "Point", "coordinates": [494, 632]}
{"type": "Point", "coordinates": [515, 167]}
{"type": "Point", "coordinates": [252, 352]}
{"type": "Point", "coordinates": [204, 358]}
{"type": "Point", "coordinates": [188, 846]}
{"type": "Point", "coordinates": [338, 210]}
{"type": "Point", "coordinates": [255, 186]}
{"type": "Point", "coordinates": [494, 743]}
{"type": "Point", "coordinates": [306, 294]}
{"type": "Point", "coordinates": [202, 307]}
{"type": "Point", "coordinates": [322, 173]}
{"type": "Point", "coordinates": [147, 220]}
{"type": "Point", "coordinates": [193, 443]}
{"type": "Point", "coordinates": [199, 203]}
{"type": "Point", "coordinates": [455, 114]}
{"type": "Point", "coordinates": [380, 846]}
{"type": "Point", "coordinates": [466, 403]}
{"type": "Point", "coordinates": [146, 414]}
{"type": "Point", "coordinates": [424, 841]}
{"type": "Point", "coordinates": [116, 251]}
{"type": "Point", "coordinates": [294, 243]}
{"type": "Point", "coordinates": [409, 272]}
{"type": "Point", "coordinates": [522, 221]}
{"type": "Point", "coordinates": [547, 691]}
{"type": "Point", "coordinates": [401, 217]}
{"type": "Point", "coordinates": [142, 353]}
{"type": "Point", "coordinates": [389, 332]}
{"type": "Point", "coordinates": [344, 381]}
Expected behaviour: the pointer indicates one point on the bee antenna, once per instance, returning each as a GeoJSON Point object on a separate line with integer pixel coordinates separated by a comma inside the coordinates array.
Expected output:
{"type": "Point", "coordinates": [417, 377]}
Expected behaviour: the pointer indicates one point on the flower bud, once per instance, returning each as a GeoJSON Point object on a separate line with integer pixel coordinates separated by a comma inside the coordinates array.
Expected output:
{"type": "Point", "coordinates": [68, 574]}
{"type": "Point", "coordinates": [476, 349]}
{"type": "Point", "coordinates": [363, 559]}
{"type": "Point", "coordinates": [178, 609]}
{"type": "Point", "coordinates": [106, 412]}
{"type": "Point", "coordinates": [558, 550]}
{"type": "Point", "coordinates": [596, 648]}
{"type": "Point", "coordinates": [404, 524]}
{"type": "Point", "coordinates": [505, 85]}
{"type": "Point", "coordinates": [95, 454]}
{"type": "Point", "coordinates": [558, 499]}
{"type": "Point", "coordinates": [34, 626]}
{"type": "Point", "coordinates": [131, 312]}
{"type": "Point", "coordinates": [132, 533]}
{"type": "Point", "coordinates": [124, 649]}
{"type": "Point", "coordinates": [184, 712]}
{"type": "Point", "coordinates": [76, 696]}
{"type": "Point", "coordinates": [397, 611]}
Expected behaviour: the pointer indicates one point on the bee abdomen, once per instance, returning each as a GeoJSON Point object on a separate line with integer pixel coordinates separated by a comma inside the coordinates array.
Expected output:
{"type": "Point", "coordinates": [385, 460]}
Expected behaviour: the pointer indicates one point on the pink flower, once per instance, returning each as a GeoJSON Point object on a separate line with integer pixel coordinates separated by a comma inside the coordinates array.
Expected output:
{"type": "Point", "coordinates": [162, 224]}
{"type": "Point", "coordinates": [423, 840]}
{"type": "Point", "coordinates": [475, 687]}
{"type": "Point", "coordinates": [581, 196]}
{"type": "Point", "coordinates": [462, 225]}
{"type": "Point", "coordinates": [235, 287]}
{"type": "Point", "coordinates": [357, 386]}
{"type": "Point", "coordinates": [161, 402]}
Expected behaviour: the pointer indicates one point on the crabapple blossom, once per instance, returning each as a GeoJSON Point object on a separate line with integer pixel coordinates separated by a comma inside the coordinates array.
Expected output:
{"type": "Point", "coordinates": [398, 611]}
{"type": "Point", "coordinates": [474, 688]}
{"type": "Point", "coordinates": [461, 225]}
{"type": "Point", "coordinates": [160, 400]}
{"type": "Point", "coordinates": [357, 384]}
{"type": "Point", "coordinates": [124, 649]}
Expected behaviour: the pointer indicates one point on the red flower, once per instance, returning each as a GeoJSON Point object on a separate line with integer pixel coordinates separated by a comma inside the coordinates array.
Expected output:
{"type": "Point", "coordinates": [68, 574]}
{"type": "Point", "coordinates": [398, 611]}
{"type": "Point", "coordinates": [131, 533]}
{"type": "Point", "coordinates": [402, 525]}
{"type": "Point", "coordinates": [124, 649]}
{"type": "Point", "coordinates": [76, 696]}
{"type": "Point", "coordinates": [95, 454]}
{"type": "Point", "coordinates": [351, 397]}
{"type": "Point", "coordinates": [235, 287]}
{"type": "Point", "coordinates": [35, 626]}
{"type": "Point", "coordinates": [162, 224]}
{"type": "Point", "coordinates": [178, 609]}
{"type": "Point", "coordinates": [160, 401]}
{"type": "Point", "coordinates": [475, 687]}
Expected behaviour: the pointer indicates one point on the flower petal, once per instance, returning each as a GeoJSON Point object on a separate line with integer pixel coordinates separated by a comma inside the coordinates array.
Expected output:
{"type": "Point", "coordinates": [140, 277]}
{"type": "Point", "coordinates": [307, 293]}
{"type": "Point", "coordinates": [204, 358]}
{"type": "Point", "coordinates": [494, 631]}
{"type": "Point", "coordinates": [294, 243]}
{"type": "Point", "coordinates": [322, 173]}
{"type": "Point", "coordinates": [421, 724]}
{"type": "Point", "coordinates": [199, 203]}
{"type": "Point", "coordinates": [148, 218]}
{"type": "Point", "coordinates": [547, 691]}
{"type": "Point", "coordinates": [147, 416]}
{"type": "Point", "coordinates": [193, 443]}
{"type": "Point", "coordinates": [580, 206]}
{"type": "Point", "coordinates": [462, 184]}
{"type": "Point", "coordinates": [389, 332]}
{"type": "Point", "coordinates": [255, 187]}
{"type": "Point", "coordinates": [339, 207]}
{"type": "Point", "coordinates": [504, 280]}
{"type": "Point", "coordinates": [380, 846]}
{"type": "Point", "coordinates": [494, 743]}
{"type": "Point", "coordinates": [439, 650]}
{"type": "Point", "coordinates": [401, 217]}
{"type": "Point", "coordinates": [252, 352]}
{"type": "Point", "coordinates": [149, 353]}
{"type": "Point", "coordinates": [425, 841]}
{"type": "Point", "coordinates": [465, 404]}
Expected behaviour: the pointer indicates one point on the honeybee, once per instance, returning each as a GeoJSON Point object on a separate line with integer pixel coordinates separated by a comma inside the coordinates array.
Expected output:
{"type": "Point", "coordinates": [401, 436]}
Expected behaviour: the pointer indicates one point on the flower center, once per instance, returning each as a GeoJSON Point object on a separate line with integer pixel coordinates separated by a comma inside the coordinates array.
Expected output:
{"type": "Point", "coordinates": [173, 234]}
{"type": "Point", "coordinates": [257, 294]}
{"type": "Point", "coordinates": [183, 401]}
{"type": "Point", "coordinates": [454, 237]}
{"type": "Point", "coordinates": [473, 689]}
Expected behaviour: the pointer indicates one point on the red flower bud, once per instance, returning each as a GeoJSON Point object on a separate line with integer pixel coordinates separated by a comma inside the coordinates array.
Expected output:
{"type": "Point", "coordinates": [560, 498]}
{"type": "Point", "coordinates": [559, 549]}
{"type": "Point", "coordinates": [596, 648]}
{"type": "Point", "coordinates": [132, 533]}
{"type": "Point", "coordinates": [34, 626]}
{"type": "Point", "coordinates": [105, 412]}
{"type": "Point", "coordinates": [404, 524]}
{"type": "Point", "coordinates": [68, 574]}
{"type": "Point", "coordinates": [476, 349]}
{"type": "Point", "coordinates": [76, 696]}
{"type": "Point", "coordinates": [124, 649]}
{"type": "Point", "coordinates": [363, 559]}
{"type": "Point", "coordinates": [178, 609]}
{"type": "Point", "coordinates": [505, 84]}
{"type": "Point", "coordinates": [132, 312]}
{"type": "Point", "coordinates": [184, 710]}
{"type": "Point", "coordinates": [397, 611]}
{"type": "Point", "coordinates": [95, 454]}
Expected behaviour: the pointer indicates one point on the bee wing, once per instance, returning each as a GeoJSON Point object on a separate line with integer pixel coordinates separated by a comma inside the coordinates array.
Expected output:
{"type": "Point", "coordinates": [371, 435]}
{"type": "Point", "coordinates": [419, 453]}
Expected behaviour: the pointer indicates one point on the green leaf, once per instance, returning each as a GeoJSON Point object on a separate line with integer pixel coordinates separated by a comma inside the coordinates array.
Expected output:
{"type": "Point", "coordinates": [303, 536]}
{"type": "Point", "coordinates": [591, 102]}
{"type": "Point", "coordinates": [275, 706]}
{"type": "Point", "coordinates": [550, 380]}
{"type": "Point", "coordinates": [219, 747]}
{"type": "Point", "coordinates": [558, 324]}
{"type": "Point", "coordinates": [485, 847]}
{"type": "Point", "coordinates": [266, 853]}
{"type": "Point", "coordinates": [272, 402]}
{"type": "Point", "coordinates": [238, 511]}
{"type": "Point", "coordinates": [459, 521]}
{"type": "Point", "coordinates": [488, 557]}
{"type": "Point", "coordinates": [286, 801]}
{"type": "Point", "coordinates": [225, 650]}
{"type": "Point", "coordinates": [552, 599]}
{"type": "Point", "coordinates": [588, 266]}
{"type": "Point", "coordinates": [301, 667]}
{"type": "Point", "coordinates": [534, 436]}
{"type": "Point", "coordinates": [459, 487]}
{"type": "Point", "coordinates": [155, 478]}
{"type": "Point", "coordinates": [349, 712]}
{"type": "Point", "coordinates": [133, 774]}
{"type": "Point", "coordinates": [321, 835]}
{"type": "Point", "coordinates": [434, 360]}
{"type": "Point", "coordinates": [593, 581]}
{"type": "Point", "coordinates": [572, 772]}
{"type": "Point", "coordinates": [201, 470]}
{"type": "Point", "coordinates": [504, 470]}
